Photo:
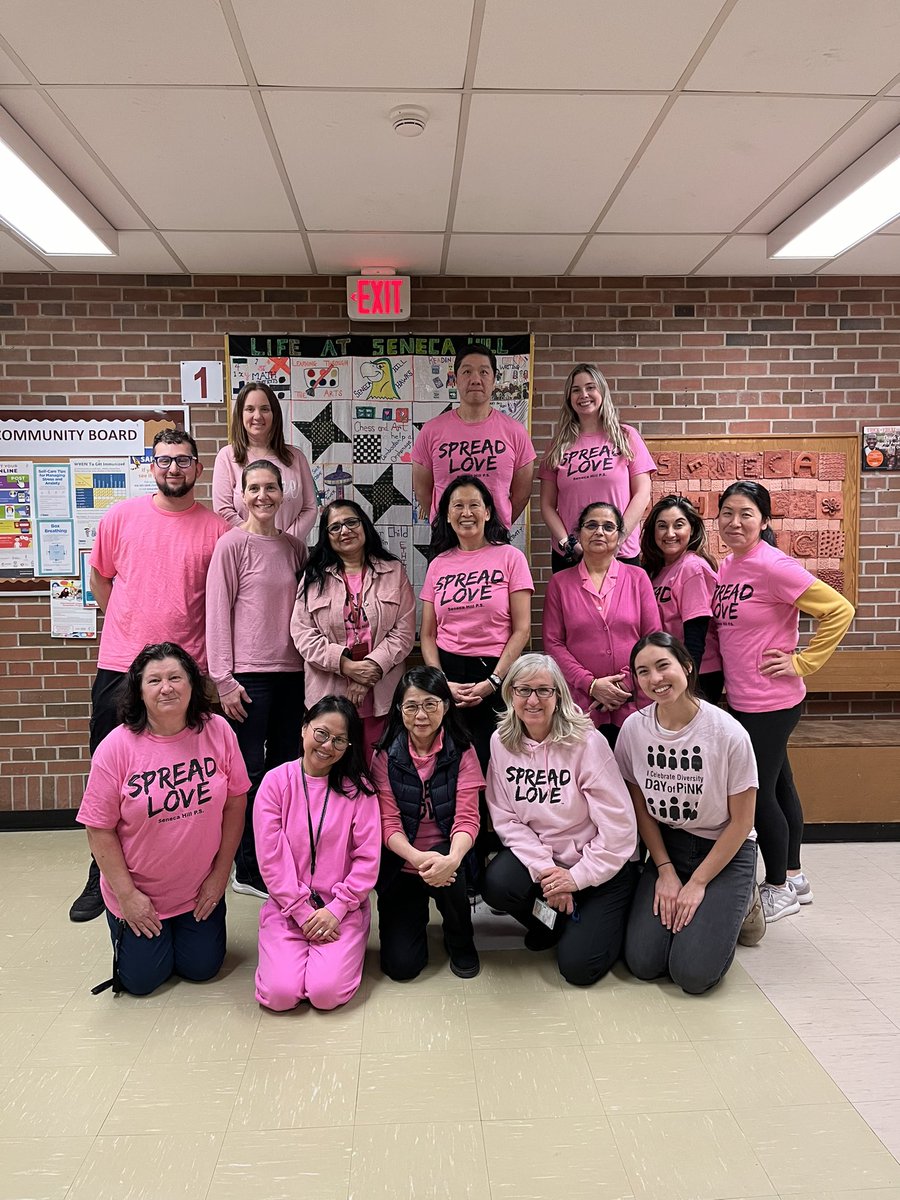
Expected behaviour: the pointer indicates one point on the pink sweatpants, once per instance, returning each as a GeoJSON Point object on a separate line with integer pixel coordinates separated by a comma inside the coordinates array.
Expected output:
{"type": "Point", "coordinates": [292, 969]}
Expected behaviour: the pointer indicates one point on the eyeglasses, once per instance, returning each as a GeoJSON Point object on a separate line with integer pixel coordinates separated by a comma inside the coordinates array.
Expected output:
{"type": "Point", "coordinates": [525, 693]}
{"type": "Point", "coordinates": [409, 708]}
{"type": "Point", "coordinates": [183, 461]}
{"type": "Point", "coordinates": [603, 526]}
{"type": "Point", "coordinates": [347, 523]}
{"type": "Point", "coordinates": [323, 737]}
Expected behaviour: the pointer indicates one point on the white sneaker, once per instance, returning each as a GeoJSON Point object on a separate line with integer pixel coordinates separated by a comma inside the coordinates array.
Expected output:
{"type": "Point", "coordinates": [800, 884]}
{"type": "Point", "coordinates": [248, 889]}
{"type": "Point", "coordinates": [778, 902]}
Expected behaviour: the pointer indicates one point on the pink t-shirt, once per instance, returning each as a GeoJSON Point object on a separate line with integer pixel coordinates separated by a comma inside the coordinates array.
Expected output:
{"type": "Point", "coordinates": [164, 797]}
{"type": "Point", "coordinates": [753, 606]}
{"type": "Point", "coordinates": [684, 590]}
{"type": "Point", "coordinates": [159, 562]}
{"type": "Point", "coordinates": [470, 591]}
{"type": "Point", "coordinates": [297, 514]}
{"type": "Point", "coordinates": [590, 470]}
{"type": "Point", "coordinates": [493, 449]}
{"type": "Point", "coordinates": [686, 775]}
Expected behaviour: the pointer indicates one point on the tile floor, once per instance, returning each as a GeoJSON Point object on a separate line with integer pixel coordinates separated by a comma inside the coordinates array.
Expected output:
{"type": "Point", "coordinates": [512, 1086]}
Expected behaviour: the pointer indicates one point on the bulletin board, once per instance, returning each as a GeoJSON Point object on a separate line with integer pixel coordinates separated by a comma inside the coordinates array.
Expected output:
{"type": "Point", "coordinates": [813, 481]}
{"type": "Point", "coordinates": [353, 405]}
{"type": "Point", "coordinates": [61, 469]}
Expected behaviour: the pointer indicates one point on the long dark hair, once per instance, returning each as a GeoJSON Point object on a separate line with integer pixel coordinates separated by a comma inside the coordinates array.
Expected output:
{"type": "Point", "coordinates": [652, 558]}
{"type": "Point", "coordinates": [616, 512]}
{"type": "Point", "coordinates": [350, 768]}
{"type": "Point", "coordinates": [324, 556]}
{"type": "Point", "coordinates": [678, 650]}
{"type": "Point", "coordinates": [434, 682]}
{"type": "Point", "coordinates": [442, 535]}
{"type": "Point", "coordinates": [133, 710]}
{"type": "Point", "coordinates": [758, 495]}
{"type": "Point", "coordinates": [238, 438]}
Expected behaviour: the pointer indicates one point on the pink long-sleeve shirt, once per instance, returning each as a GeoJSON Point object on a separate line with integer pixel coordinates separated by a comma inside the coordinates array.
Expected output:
{"type": "Point", "coordinates": [297, 514]}
{"type": "Point", "coordinates": [591, 636]}
{"type": "Point", "coordinates": [250, 590]}
{"type": "Point", "coordinates": [564, 805]}
{"type": "Point", "coordinates": [348, 852]}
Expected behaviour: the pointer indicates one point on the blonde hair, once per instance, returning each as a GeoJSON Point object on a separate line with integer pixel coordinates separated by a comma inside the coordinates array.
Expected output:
{"type": "Point", "coordinates": [569, 724]}
{"type": "Point", "coordinates": [568, 427]}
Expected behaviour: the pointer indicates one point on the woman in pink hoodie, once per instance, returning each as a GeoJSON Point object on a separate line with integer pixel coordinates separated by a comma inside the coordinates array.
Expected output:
{"type": "Point", "coordinates": [563, 814]}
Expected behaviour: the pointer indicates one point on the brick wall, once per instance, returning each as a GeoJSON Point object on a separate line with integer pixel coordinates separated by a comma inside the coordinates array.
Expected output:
{"type": "Point", "coordinates": [737, 357]}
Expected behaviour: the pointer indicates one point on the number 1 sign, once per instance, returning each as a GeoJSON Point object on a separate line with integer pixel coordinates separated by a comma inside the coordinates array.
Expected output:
{"type": "Point", "coordinates": [202, 383]}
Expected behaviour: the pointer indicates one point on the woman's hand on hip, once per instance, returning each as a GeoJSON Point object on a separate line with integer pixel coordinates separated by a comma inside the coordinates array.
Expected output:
{"type": "Point", "coordinates": [140, 913]}
{"type": "Point", "coordinates": [233, 703]}
{"type": "Point", "coordinates": [778, 664]}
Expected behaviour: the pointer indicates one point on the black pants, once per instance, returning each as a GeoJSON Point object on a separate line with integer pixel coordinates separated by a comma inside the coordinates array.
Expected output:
{"type": "Point", "coordinates": [105, 692]}
{"type": "Point", "coordinates": [193, 949]}
{"type": "Point", "coordinates": [779, 814]}
{"type": "Point", "coordinates": [403, 921]}
{"type": "Point", "coordinates": [589, 942]}
{"type": "Point", "coordinates": [712, 684]}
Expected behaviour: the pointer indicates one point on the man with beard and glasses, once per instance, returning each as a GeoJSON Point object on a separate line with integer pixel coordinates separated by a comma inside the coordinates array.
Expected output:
{"type": "Point", "coordinates": [148, 575]}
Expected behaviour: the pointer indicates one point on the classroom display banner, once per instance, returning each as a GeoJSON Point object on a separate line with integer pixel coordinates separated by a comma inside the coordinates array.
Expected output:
{"type": "Point", "coordinates": [354, 405]}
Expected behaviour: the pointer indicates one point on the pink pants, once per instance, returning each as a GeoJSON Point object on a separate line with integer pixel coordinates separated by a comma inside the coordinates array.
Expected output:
{"type": "Point", "coordinates": [292, 969]}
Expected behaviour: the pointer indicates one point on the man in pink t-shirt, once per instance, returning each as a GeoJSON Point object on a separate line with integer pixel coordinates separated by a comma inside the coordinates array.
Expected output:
{"type": "Point", "coordinates": [474, 439]}
{"type": "Point", "coordinates": [148, 576]}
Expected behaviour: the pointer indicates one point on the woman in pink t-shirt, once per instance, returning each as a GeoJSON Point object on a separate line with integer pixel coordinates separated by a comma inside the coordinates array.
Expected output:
{"type": "Point", "coordinates": [164, 811]}
{"type": "Point", "coordinates": [692, 776]}
{"type": "Point", "coordinates": [428, 780]}
{"type": "Point", "coordinates": [683, 574]}
{"type": "Point", "coordinates": [757, 604]}
{"type": "Point", "coordinates": [593, 457]}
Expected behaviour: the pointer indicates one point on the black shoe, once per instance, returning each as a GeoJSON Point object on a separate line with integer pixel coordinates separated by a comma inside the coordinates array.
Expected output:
{"type": "Point", "coordinates": [541, 939]}
{"type": "Point", "coordinates": [89, 904]}
{"type": "Point", "coordinates": [465, 963]}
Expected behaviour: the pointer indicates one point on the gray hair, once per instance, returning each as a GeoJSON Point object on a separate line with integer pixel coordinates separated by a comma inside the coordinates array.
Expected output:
{"type": "Point", "coordinates": [569, 724]}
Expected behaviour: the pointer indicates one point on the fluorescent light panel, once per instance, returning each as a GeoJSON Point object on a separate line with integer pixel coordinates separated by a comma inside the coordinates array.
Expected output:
{"type": "Point", "coordinates": [859, 201]}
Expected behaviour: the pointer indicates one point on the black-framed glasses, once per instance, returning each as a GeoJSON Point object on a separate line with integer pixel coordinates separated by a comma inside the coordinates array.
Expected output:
{"type": "Point", "coordinates": [603, 526]}
{"type": "Point", "coordinates": [182, 461]}
{"type": "Point", "coordinates": [347, 523]}
{"type": "Point", "coordinates": [409, 708]}
{"type": "Point", "coordinates": [525, 693]}
{"type": "Point", "coordinates": [323, 737]}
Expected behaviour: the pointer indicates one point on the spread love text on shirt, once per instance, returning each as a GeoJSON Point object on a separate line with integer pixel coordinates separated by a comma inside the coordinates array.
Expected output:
{"type": "Point", "coordinates": [726, 599]}
{"type": "Point", "coordinates": [588, 460]}
{"type": "Point", "coordinates": [537, 786]}
{"type": "Point", "coordinates": [178, 788]}
{"type": "Point", "coordinates": [470, 458]}
{"type": "Point", "coordinates": [472, 587]}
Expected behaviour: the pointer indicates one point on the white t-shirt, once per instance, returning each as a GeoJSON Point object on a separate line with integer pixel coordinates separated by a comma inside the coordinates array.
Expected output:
{"type": "Point", "coordinates": [686, 775]}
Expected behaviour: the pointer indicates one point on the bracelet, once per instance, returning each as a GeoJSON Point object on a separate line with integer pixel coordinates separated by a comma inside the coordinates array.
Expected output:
{"type": "Point", "coordinates": [496, 681]}
{"type": "Point", "coordinates": [667, 863]}
{"type": "Point", "coordinates": [591, 688]}
{"type": "Point", "coordinates": [563, 543]}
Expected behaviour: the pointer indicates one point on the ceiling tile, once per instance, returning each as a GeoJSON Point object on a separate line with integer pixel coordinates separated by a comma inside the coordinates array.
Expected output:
{"type": "Point", "coordinates": [14, 257]}
{"type": "Point", "coordinates": [644, 254]}
{"type": "Point", "coordinates": [407, 253]}
{"type": "Point", "coordinates": [139, 251]}
{"type": "Point", "coordinates": [9, 72]}
{"type": "Point", "coordinates": [356, 43]}
{"type": "Point", "coordinates": [878, 255]}
{"type": "Point", "coordinates": [123, 41]}
{"type": "Point", "coordinates": [348, 168]}
{"type": "Point", "coordinates": [191, 158]}
{"type": "Point", "coordinates": [619, 44]}
{"type": "Point", "coordinates": [745, 254]}
{"type": "Point", "coordinates": [511, 254]}
{"type": "Point", "coordinates": [242, 253]}
{"type": "Point", "coordinates": [540, 181]}
{"type": "Point", "coordinates": [715, 158]}
{"type": "Point", "coordinates": [825, 46]}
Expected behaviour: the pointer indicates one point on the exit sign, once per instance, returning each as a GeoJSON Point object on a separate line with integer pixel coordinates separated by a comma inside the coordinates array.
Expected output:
{"type": "Point", "coordinates": [378, 297]}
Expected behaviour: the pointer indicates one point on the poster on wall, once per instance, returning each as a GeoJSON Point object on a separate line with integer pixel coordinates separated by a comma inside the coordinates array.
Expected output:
{"type": "Point", "coordinates": [881, 448]}
{"type": "Point", "coordinates": [354, 405]}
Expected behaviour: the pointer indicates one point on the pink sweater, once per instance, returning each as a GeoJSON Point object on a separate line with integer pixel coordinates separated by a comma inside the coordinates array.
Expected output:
{"type": "Point", "coordinates": [250, 592]}
{"type": "Point", "coordinates": [297, 514]}
{"type": "Point", "coordinates": [563, 805]}
{"type": "Point", "coordinates": [589, 642]}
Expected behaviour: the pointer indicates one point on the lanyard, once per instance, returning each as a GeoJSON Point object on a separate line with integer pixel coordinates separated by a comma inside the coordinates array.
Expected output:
{"type": "Point", "coordinates": [313, 841]}
{"type": "Point", "coordinates": [354, 603]}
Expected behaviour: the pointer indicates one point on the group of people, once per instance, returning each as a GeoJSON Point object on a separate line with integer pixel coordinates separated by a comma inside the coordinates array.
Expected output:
{"type": "Point", "coordinates": [539, 781]}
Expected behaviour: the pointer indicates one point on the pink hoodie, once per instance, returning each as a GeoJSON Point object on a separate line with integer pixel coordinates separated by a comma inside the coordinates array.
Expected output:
{"type": "Point", "coordinates": [564, 805]}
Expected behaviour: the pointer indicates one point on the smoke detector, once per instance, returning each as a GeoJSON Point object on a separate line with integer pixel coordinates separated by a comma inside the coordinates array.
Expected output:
{"type": "Point", "coordinates": [409, 120]}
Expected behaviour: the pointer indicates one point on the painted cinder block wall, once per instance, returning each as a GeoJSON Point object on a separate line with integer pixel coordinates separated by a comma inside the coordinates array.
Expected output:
{"type": "Point", "coordinates": [684, 356]}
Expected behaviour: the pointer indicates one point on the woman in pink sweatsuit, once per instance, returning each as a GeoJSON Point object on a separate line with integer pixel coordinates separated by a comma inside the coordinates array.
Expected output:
{"type": "Point", "coordinates": [318, 842]}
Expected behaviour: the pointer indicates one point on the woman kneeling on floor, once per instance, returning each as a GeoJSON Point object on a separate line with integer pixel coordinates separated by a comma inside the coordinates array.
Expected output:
{"type": "Point", "coordinates": [428, 780]}
{"type": "Point", "coordinates": [562, 812]}
{"type": "Point", "coordinates": [318, 843]}
{"type": "Point", "coordinates": [691, 772]}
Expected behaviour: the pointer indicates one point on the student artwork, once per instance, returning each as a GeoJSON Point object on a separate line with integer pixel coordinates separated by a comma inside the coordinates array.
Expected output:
{"type": "Point", "coordinates": [354, 405]}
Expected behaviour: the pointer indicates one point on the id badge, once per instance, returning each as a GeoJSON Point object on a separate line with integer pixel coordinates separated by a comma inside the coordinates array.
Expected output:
{"type": "Point", "coordinates": [358, 651]}
{"type": "Point", "coordinates": [316, 900]}
{"type": "Point", "coordinates": [544, 913]}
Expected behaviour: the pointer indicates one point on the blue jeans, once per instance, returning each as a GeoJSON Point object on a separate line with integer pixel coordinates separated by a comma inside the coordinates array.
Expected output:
{"type": "Point", "coordinates": [698, 956]}
{"type": "Point", "coordinates": [186, 947]}
{"type": "Point", "coordinates": [268, 736]}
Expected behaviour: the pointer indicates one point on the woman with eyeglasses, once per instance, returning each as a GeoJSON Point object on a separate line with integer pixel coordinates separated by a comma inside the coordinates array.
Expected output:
{"type": "Point", "coordinates": [674, 554]}
{"type": "Point", "coordinates": [257, 431]}
{"type": "Point", "coordinates": [428, 780]}
{"type": "Point", "coordinates": [594, 614]}
{"type": "Point", "coordinates": [354, 619]}
{"type": "Point", "coordinates": [593, 456]}
{"type": "Point", "coordinates": [318, 840]}
{"type": "Point", "coordinates": [250, 591]}
{"type": "Point", "coordinates": [566, 822]}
